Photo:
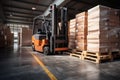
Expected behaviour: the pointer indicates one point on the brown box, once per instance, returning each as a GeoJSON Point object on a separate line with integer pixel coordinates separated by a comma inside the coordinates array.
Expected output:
{"type": "Point", "coordinates": [8, 36]}
{"type": "Point", "coordinates": [101, 47]}
{"type": "Point", "coordinates": [2, 41]}
{"type": "Point", "coordinates": [98, 35]}
{"type": "Point", "coordinates": [9, 39]}
{"type": "Point", "coordinates": [81, 47]}
{"type": "Point", "coordinates": [26, 37]}
{"type": "Point", "coordinates": [72, 28]}
{"type": "Point", "coordinates": [81, 31]}
{"type": "Point", "coordinates": [114, 46]}
{"type": "Point", "coordinates": [103, 29]}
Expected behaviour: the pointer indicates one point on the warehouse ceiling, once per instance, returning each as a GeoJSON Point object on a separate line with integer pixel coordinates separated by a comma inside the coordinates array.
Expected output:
{"type": "Point", "coordinates": [21, 12]}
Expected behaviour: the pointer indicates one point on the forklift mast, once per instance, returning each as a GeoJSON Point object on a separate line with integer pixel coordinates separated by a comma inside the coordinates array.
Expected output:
{"type": "Point", "coordinates": [53, 28]}
{"type": "Point", "coordinates": [63, 35]}
{"type": "Point", "coordinates": [64, 23]}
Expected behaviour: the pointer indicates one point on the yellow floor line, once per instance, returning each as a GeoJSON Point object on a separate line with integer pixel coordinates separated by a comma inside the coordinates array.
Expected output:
{"type": "Point", "coordinates": [51, 76]}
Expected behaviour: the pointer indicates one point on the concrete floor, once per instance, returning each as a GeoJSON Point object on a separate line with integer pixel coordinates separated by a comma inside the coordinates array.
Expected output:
{"type": "Point", "coordinates": [18, 64]}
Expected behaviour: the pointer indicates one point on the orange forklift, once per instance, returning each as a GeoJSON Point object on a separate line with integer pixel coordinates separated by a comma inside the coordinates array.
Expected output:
{"type": "Point", "coordinates": [50, 36]}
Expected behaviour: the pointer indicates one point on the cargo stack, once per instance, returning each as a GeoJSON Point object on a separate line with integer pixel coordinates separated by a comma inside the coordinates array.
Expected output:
{"type": "Point", "coordinates": [8, 36]}
{"type": "Point", "coordinates": [72, 28]}
{"type": "Point", "coordinates": [81, 31]}
{"type": "Point", "coordinates": [19, 38]}
{"type": "Point", "coordinates": [103, 29]}
{"type": "Point", "coordinates": [114, 32]}
{"type": "Point", "coordinates": [26, 36]}
{"type": "Point", "coordinates": [2, 39]}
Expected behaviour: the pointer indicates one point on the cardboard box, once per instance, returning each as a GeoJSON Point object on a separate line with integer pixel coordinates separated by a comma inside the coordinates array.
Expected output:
{"type": "Point", "coordinates": [101, 47]}
{"type": "Point", "coordinates": [103, 29]}
{"type": "Point", "coordinates": [26, 36]}
{"type": "Point", "coordinates": [81, 31]}
{"type": "Point", "coordinates": [72, 29]}
{"type": "Point", "coordinates": [2, 41]}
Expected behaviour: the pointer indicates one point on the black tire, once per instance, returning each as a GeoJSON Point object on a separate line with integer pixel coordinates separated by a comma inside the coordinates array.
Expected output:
{"type": "Point", "coordinates": [46, 50]}
{"type": "Point", "coordinates": [33, 47]}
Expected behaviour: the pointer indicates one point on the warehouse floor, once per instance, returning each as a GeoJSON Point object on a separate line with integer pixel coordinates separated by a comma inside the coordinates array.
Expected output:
{"type": "Point", "coordinates": [24, 64]}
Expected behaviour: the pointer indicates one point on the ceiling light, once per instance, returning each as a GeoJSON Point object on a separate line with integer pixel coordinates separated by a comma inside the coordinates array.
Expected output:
{"type": "Point", "coordinates": [33, 8]}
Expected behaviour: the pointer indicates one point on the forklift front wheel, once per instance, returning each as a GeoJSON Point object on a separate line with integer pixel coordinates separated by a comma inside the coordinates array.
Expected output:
{"type": "Point", "coordinates": [46, 50]}
{"type": "Point", "coordinates": [33, 47]}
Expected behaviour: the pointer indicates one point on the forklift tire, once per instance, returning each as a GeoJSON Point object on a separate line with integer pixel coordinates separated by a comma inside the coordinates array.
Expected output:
{"type": "Point", "coordinates": [46, 50]}
{"type": "Point", "coordinates": [33, 47]}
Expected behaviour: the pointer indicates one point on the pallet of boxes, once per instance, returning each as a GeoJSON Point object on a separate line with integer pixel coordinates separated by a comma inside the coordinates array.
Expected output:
{"type": "Point", "coordinates": [6, 37]}
{"type": "Point", "coordinates": [71, 34]}
{"type": "Point", "coordinates": [2, 38]}
{"type": "Point", "coordinates": [103, 39]}
{"type": "Point", "coordinates": [97, 35]}
{"type": "Point", "coordinates": [80, 35]}
{"type": "Point", "coordinates": [25, 37]}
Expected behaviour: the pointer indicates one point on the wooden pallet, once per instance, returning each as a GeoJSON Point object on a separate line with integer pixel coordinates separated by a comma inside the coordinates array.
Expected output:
{"type": "Point", "coordinates": [97, 57]}
{"type": "Point", "coordinates": [78, 54]}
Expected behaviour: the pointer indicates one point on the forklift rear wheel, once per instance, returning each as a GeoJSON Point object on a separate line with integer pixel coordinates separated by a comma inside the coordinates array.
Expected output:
{"type": "Point", "coordinates": [46, 50]}
{"type": "Point", "coordinates": [33, 47]}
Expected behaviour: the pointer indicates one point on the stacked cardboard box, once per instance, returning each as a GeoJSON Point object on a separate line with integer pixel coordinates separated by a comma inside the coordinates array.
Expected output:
{"type": "Point", "coordinates": [19, 38]}
{"type": "Point", "coordinates": [72, 28]}
{"type": "Point", "coordinates": [8, 37]}
{"type": "Point", "coordinates": [103, 29]}
{"type": "Point", "coordinates": [26, 36]}
{"type": "Point", "coordinates": [2, 39]}
{"type": "Point", "coordinates": [81, 31]}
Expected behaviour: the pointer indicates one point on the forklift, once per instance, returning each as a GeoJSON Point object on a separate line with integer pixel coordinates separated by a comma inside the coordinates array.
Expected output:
{"type": "Point", "coordinates": [50, 33]}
